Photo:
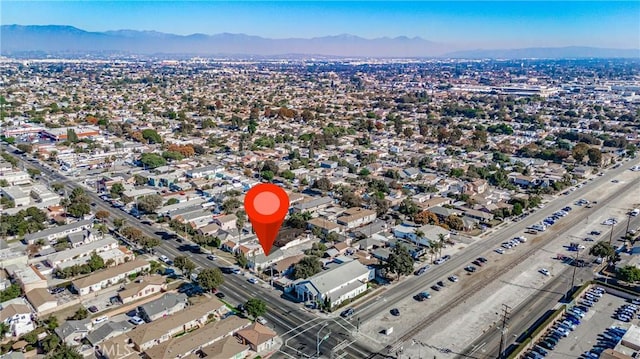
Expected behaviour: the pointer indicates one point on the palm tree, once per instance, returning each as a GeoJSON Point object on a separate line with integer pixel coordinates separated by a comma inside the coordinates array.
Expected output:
{"type": "Point", "coordinates": [432, 250]}
{"type": "Point", "coordinates": [441, 241]}
{"type": "Point", "coordinates": [419, 234]}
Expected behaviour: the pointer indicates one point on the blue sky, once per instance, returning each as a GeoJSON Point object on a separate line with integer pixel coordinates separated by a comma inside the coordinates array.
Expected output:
{"type": "Point", "coordinates": [493, 24]}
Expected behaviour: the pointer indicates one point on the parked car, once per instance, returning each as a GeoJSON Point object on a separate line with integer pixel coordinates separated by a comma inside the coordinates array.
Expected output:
{"type": "Point", "coordinates": [93, 309]}
{"type": "Point", "coordinates": [395, 312]}
{"type": "Point", "coordinates": [453, 278]}
{"type": "Point", "coordinates": [137, 320]}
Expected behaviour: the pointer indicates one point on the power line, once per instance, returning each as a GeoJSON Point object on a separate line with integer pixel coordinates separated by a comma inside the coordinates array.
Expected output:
{"type": "Point", "coordinates": [505, 318]}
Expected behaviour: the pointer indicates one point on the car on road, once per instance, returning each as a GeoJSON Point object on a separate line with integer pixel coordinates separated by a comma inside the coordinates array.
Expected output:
{"type": "Point", "coordinates": [261, 320]}
{"type": "Point", "coordinates": [347, 312]}
{"type": "Point", "coordinates": [211, 257]}
{"type": "Point", "coordinates": [422, 270]}
{"type": "Point", "coordinates": [137, 320]}
{"type": "Point", "coordinates": [544, 271]}
{"type": "Point", "coordinates": [453, 278]}
{"type": "Point", "coordinates": [395, 312]}
{"type": "Point", "coordinates": [164, 258]}
{"type": "Point", "coordinates": [93, 309]}
{"type": "Point", "coordinates": [252, 280]}
{"type": "Point", "coordinates": [470, 269]}
{"type": "Point", "coordinates": [220, 295]}
{"type": "Point", "coordinates": [442, 259]}
{"type": "Point", "coordinates": [595, 233]}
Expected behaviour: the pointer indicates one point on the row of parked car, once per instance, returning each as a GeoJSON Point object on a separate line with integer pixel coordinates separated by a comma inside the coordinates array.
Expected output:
{"type": "Point", "coordinates": [511, 244]}
{"type": "Point", "coordinates": [607, 340]}
{"type": "Point", "coordinates": [626, 313]}
{"type": "Point", "coordinates": [563, 327]}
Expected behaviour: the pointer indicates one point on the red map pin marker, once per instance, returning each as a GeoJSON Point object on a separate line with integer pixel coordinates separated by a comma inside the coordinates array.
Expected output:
{"type": "Point", "coordinates": [266, 205]}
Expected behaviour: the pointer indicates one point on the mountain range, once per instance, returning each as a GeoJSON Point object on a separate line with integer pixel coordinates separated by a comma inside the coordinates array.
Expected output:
{"type": "Point", "coordinates": [18, 40]}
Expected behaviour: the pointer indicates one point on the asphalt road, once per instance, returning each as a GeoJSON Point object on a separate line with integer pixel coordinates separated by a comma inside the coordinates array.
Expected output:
{"type": "Point", "coordinates": [523, 317]}
{"type": "Point", "coordinates": [283, 315]}
{"type": "Point", "coordinates": [411, 286]}
{"type": "Point", "coordinates": [291, 319]}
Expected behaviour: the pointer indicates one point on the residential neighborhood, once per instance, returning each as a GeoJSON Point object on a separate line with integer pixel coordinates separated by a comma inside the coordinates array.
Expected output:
{"type": "Point", "coordinates": [124, 233]}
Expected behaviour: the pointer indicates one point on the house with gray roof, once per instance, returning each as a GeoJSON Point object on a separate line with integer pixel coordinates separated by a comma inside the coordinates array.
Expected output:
{"type": "Point", "coordinates": [336, 285]}
{"type": "Point", "coordinates": [168, 304]}
{"type": "Point", "coordinates": [59, 232]}
{"type": "Point", "coordinates": [107, 331]}
{"type": "Point", "coordinates": [72, 331]}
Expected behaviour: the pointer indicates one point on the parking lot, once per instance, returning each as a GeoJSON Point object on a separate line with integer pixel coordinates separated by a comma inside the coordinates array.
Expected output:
{"type": "Point", "coordinates": [600, 317]}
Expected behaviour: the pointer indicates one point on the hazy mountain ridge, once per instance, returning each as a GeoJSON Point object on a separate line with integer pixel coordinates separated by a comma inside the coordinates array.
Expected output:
{"type": "Point", "coordinates": [68, 39]}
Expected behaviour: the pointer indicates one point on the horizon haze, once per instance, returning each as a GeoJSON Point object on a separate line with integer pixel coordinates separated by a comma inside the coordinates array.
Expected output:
{"type": "Point", "coordinates": [459, 25]}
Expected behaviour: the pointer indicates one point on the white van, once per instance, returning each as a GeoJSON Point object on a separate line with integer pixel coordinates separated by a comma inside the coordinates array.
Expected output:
{"type": "Point", "coordinates": [635, 212]}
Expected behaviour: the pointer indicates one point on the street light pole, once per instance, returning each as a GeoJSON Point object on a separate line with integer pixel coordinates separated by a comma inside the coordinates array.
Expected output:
{"type": "Point", "coordinates": [319, 341]}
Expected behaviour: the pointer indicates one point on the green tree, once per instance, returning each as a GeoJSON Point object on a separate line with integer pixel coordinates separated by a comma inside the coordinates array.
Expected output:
{"type": "Point", "coordinates": [4, 329]}
{"type": "Point", "coordinates": [96, 262]}
{"type": "Point", "coordinates": [268, 175]}
{"type": "Point", "coordinates": [152, 160]}
{"type": "Point", "coordinates": [288, 175]}
{"type": "Point", "coordinates": [323, 184]}
{"type": "Point", "coordinates": [400, 261]}
{"type": "Point", "coordinates": [72, 136]}
{"type": "Point", "coordinates": [81, 313]}
{"type": "Point", "coordinates": [517, 208]}
{"type": "Point", "coordinates": [256, 307]}
{"type": "Point", "coordinates": [25, 147]}
{"type": "Point", "coordinates": [241, 260]}
{"type": "Point", "coordinates": [602, 250]}
{"type": "Point", "coordinates": [13, 291]}
{"type": "Point", "coordinates": [150, 203]}
{"type": "Point", "coordinates": [454, 222]}
{"type": "Point", "coordinates": [579, 151]}
{"type": "Point", "coordinates": [148, 242]}
{"type": "Point", "coordinates": [595, 156]}
{"type": "Point", "coordinates": [630, 274]}
{"type": "Point", "coordinates": [230, 205]}
{"type": "Point", "coordinates": [64, 352]}
{"type": "Point", "coordinates": [119, 222]}
{"type": "Point", "coordinates": [50, 343]}
{"type": "Point", "coordinates": [57, 186]}
{"type": "Point", "coordinates": [172, 201]}
{"type": "Point", "coordinates": [210, 278]}
{"type": "Point", "coordinates": [116, 190]}
{"type": "Point", "coordinates": [52, 322]}
{"type": "Point", "coordinates": [185, 264]}
{"type": "Point", "coordinates": [151, 136]}
{"type": "Point", "coordinates": [307, 267]}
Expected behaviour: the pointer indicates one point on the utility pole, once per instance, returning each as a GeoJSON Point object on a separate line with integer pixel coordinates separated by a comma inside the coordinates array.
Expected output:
{"type": "Point", "coordinates": [611, 234]}
{"type": "Point", "coordinates": [505, 317]}
{"type": "Point", "coordinates": [573, 275]}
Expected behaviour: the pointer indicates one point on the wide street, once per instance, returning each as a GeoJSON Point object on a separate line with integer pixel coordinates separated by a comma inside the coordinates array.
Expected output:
{"type": "Point", "coordinates": [410, 286]}
{"type": "Point", "coordinates": [302, 329]}
{"type": "Point", "coordinates": [283, 316]}
{"type": "Point", "coordinates": [523, 317]}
